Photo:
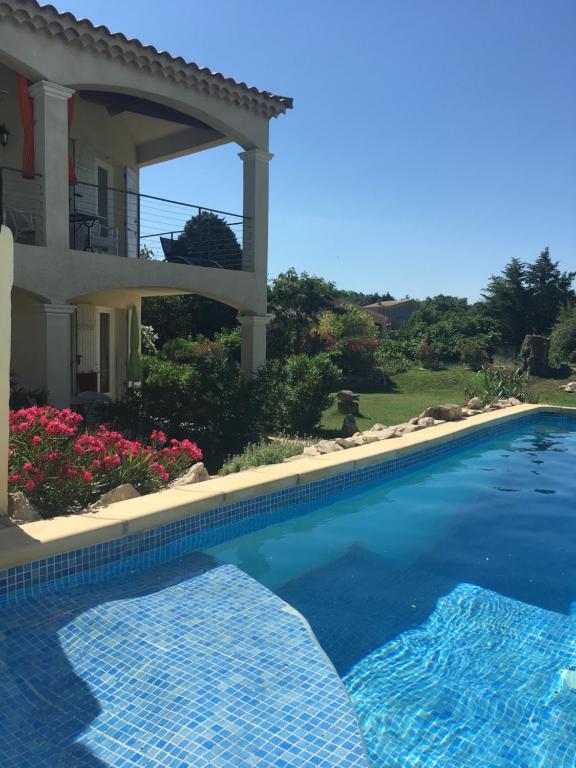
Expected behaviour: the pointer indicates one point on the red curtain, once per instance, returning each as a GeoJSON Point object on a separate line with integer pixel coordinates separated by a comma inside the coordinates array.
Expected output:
{"type": "Point", "coordinates": [71, 170]}
{"type": "Point", "coordinates": [27, 116]}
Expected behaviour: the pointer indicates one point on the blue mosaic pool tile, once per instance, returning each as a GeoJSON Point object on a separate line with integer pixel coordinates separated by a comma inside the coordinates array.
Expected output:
{"type": "Point", "coordinates": [204, 530]}
{"type": "Point", "coordinates": [161, 671]}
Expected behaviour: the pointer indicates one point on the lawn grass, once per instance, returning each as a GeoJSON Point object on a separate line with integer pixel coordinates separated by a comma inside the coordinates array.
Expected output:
{"type": "Point", "coordinates": [418, 389]}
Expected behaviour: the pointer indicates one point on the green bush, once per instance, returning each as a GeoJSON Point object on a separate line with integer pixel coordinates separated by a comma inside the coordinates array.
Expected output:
{"type": "Point", "coordinates": [428, 356]}
{"type": "Point", "coordinates": [210, 402]}
{"type": "Point", "coordinates": [393, 355]}
{"type": "Point", "coordinates": [297, 391]}
{"type": "Point", "coordinates": [346, 322]}
{"type": "Point", "coordinates": [496, 382]}
{"type": "Point", "coordinates": [258, 454]}
{"type": "Point", "coordinates": [473, 356]}
{"type": "Point", "coordinates": [563, 336]}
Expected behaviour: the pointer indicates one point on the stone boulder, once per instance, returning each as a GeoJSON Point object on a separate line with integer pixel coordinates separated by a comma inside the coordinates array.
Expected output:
{"type": "Point", "coordinates": [570, 387]}
{"type": "Point", "coordinates": [474, 404]}
{"type": "Point", "coordinates": [120, 493]}
{"type": "Point", "coordinates": [447, 412]}
{"type": "Point", "coordinates": [21, 509]}
{"type": "Point", "coordinates": [328, 446]}
{"type": "Point", "coordinates": [196, 474]}
{"type": "Point", "coordinates": [534, 353]}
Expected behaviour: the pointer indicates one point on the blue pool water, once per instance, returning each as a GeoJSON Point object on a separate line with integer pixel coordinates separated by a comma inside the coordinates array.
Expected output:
{"type": "Point", "coordinates": [443, 592]}
{"type": "Point", "coordinates": [444, 596]}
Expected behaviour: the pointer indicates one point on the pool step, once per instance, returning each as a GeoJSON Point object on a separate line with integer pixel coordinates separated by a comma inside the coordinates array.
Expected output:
{"type": "Point", "coordinates": [485, 682]}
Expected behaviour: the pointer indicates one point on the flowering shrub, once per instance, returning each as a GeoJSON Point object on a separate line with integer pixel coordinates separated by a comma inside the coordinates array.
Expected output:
{"type": "Point", "coordinates": [62, 468]}
{"type": "Point", "coordinates": [428, 357]}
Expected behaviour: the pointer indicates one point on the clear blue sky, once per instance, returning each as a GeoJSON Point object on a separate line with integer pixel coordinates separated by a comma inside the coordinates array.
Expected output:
{"type": "Point", "coordinates": [430, 141]}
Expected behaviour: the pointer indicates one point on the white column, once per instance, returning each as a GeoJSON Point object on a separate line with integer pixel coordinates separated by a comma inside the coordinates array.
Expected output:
{"type": "Point", "coordinates": [253, 349]}
{"type": "Point", "coordinates": [55, 352]}
{"type": "Point", "coordinates": [256, 209]}
{"type": "Point", "coordinates": [51, 158]}
{"type": "Point", "coordinates": [6, 278]}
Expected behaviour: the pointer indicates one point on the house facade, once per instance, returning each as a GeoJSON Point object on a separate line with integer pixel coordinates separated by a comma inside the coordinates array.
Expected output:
{"type": "Point", "coordinates": [82, 110]}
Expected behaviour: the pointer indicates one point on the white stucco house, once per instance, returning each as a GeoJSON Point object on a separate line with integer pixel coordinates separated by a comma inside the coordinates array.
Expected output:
{"type": "Point", "coordinates": [82, 110]}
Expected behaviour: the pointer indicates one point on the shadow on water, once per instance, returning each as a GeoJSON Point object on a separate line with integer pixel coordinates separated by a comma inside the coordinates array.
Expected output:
{"type": "Point", "coordinates": [44, 705]}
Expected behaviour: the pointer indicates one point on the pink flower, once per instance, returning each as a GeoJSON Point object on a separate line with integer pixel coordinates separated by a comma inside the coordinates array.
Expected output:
{"type": "Point", "coordinates": [158, 436]}
{"type": "Point", "coordinates": [29, 485]}
{"type": "Point", "coordinates": [14, 477]}
{"type": "Point", "coordinates": [87, 475]}
{"type": "Point", "coordinates": [28, 467]}
{"type": "Point", "coordinates": [36, 439]}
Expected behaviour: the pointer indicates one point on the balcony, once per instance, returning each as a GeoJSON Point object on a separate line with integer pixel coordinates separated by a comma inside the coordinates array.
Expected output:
{"type": "Point", "coordinates": [116, 221]}
{"type": "Point", "coordinates": [22, 205]}
{"type": "Point", "coordinates": [109, 220]}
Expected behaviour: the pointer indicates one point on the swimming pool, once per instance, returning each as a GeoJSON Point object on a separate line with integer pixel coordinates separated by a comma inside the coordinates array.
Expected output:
{"type": "Point", "coordinates": [444, 596]}
{"type": "Point", "coordinates": [440, 584]}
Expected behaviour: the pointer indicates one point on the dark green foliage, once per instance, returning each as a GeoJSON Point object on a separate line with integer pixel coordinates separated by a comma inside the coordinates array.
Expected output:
{"type": "Point", "coordinates": [186, 316]}
{"type": "Point", "coordinates": [362, 299]}
{"type": "Point", "coordinates": [208, 236]}
{"type": "Point", "coordinates": [295, 301]}
{"type": "Point", "coordinates": [447, 323]}
{"type": "Point", "coordinates": [297, 391]}
{"type": "Point", "coordinates": [473, 356]}
{"type": "Point", "coordinates": [210, 402]}
{"type": "Point", "coordinates": [527, 298]}
{"type": "Point", "coordinates": [563, 336]}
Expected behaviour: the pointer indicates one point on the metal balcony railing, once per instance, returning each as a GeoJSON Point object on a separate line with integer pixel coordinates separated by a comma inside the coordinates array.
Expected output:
{"type": "Point", "coordinates": [111, 220]}
{"type": "Point", "coordinates": [22, 206]}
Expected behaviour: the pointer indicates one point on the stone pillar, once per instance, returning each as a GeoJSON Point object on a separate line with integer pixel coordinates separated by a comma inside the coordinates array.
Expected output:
{"type": "Point", "coordinates": [51, 158]}
{"type": "Point", "coordinates": [253, 350]}
{"type": "Point", "coordinates": [55, 347]}
{"type": "Point", "coordinates": [256, 210]}
{"type": "Point", "coordinates": [6, 279]}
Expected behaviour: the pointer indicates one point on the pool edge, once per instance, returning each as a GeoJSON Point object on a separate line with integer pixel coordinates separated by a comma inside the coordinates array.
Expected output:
{"type": "Point", "coordinates": [32, 542]}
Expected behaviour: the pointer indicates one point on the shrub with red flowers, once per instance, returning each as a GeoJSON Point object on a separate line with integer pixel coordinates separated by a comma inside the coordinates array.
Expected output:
{"type": "Point", "coordinates": [62, 468]}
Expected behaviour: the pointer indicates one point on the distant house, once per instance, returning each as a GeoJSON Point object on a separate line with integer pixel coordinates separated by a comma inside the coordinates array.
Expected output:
{"type": "Point", "coordinates": [391, 315]}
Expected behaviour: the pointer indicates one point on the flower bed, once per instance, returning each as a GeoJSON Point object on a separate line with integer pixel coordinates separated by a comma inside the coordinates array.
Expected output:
{"type": "Point", "coordinates": [62, 467]}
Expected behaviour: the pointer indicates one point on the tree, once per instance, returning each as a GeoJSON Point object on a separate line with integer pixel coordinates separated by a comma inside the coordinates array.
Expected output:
{"type": "Point", "coordinates": [185, 317]}
{"type": "Point", "coordinates": [526, 298]}
{"type": "Point", "coordinates": [362, 299]}
{"type": "Point", "coordinates": [506, 300]}
{"type": "Point", "coordinates": [445, 324]}
{"type": "Point", "coordinates": [549, 290]}
{"type": "Point", "coordinates": [345, 322]}
{"type": "Point", "coordinates": [563, 336]}
{"type": "Point", "coordinates": [209, 236]}
{"type": "Point", "coordinates": [295, 301]}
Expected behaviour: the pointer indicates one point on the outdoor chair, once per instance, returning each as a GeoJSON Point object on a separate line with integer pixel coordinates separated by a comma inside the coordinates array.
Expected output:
{"type": "Point", "coordinates": [175, 252]}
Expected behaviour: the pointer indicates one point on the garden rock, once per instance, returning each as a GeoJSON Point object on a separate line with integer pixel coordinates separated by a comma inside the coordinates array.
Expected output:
{"type": "Point", "coordinates": [348, 402]}
{"type": "Point", "coordinates": [474, 404]}
{"type": "Point", "coordinates": [406, 429]}
{"type": "Point", "coordinates": [378, 428]}
{"type": "Point", "coordinates": [570, 387]}
{"type": "Point", "coordinates": [120, 493]}
{"type": "Point", "coordinates": [534, 353]}
{"type": "Point", "coordinates": [447, 412]}
{"type": "Point", "coordinates": [427, 421]}
{"type": "Point", "coordinates": [349, 426]}
{"type": "Point", "coordinates": [196, 474]}
{"type": "Point", "coordinates": [311, 450]}
{"type": "Point", "coordinates": [21, 509]}
{"type": "Point", "coordinates": [328, 446]}
{"type": "Point", "coordinates": [346, 442]}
